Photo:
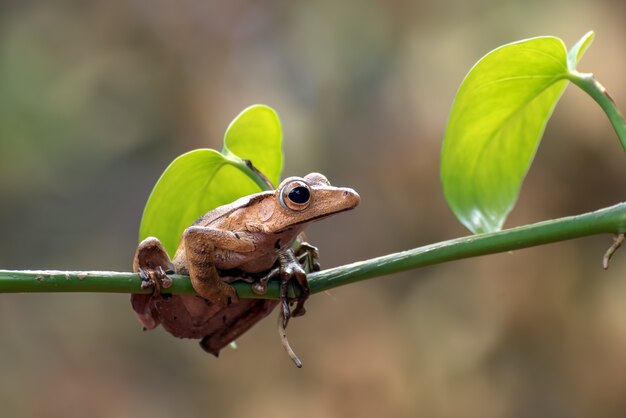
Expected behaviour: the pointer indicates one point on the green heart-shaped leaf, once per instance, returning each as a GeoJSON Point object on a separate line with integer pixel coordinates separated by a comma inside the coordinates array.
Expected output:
{"type": "Point", "coordinates": [256, 135]}
{"type": "Point", "coordinates": [203, 179]}
{"type": "Point", "coordinates": [495, 125]}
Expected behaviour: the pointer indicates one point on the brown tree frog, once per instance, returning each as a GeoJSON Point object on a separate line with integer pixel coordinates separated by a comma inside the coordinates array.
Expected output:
{"type": "Point", "coordinates": [250, 239]}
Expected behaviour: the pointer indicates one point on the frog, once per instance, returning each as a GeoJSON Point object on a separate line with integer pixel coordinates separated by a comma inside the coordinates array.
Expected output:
{"type": "Point", "coordinates": [253, 239]}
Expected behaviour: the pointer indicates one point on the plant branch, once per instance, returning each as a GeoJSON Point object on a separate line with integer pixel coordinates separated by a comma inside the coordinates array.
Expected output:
{"type": "Point", "coordinates": [607, 220]}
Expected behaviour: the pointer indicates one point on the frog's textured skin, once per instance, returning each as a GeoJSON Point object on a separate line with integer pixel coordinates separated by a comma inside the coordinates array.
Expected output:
{"type": "Point", "coordinates": [250, 239]}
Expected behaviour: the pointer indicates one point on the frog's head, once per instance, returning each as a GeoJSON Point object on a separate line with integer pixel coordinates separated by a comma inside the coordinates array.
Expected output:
{"type": "Point", "coordinates": [300, 200]}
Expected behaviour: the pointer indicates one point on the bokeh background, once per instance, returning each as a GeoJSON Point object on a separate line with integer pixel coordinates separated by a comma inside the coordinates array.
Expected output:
{"type": "Point", "coordinates": [96, 98]}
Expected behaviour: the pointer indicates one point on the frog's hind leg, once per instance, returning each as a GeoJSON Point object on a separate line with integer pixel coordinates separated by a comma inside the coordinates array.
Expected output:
{"type": "Point", "coordinates": [232, 321]}
{"type": "Point", "coordinates": [152, 263]}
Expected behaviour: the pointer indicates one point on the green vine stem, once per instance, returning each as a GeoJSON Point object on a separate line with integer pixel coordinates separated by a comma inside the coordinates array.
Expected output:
{"type": "Point", "coordinates": [598, 92]}
{"type": "Point", "coordinates": [607, 220]}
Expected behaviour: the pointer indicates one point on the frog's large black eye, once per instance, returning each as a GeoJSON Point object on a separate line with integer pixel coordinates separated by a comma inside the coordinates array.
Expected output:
{"type": "Point", "coordinates": [295, 195]}
{"type": "Point", "coordinates": [299, 195]}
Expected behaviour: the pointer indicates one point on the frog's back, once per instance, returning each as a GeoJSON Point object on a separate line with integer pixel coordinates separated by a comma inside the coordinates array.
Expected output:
{"type": "Point", "coordinates": [223, 211]}
{"type": "Point", "coordinates": [214, 217]}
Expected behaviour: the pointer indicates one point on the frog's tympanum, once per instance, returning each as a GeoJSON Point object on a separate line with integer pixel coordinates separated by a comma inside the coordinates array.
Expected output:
{"type": "Point", "coordinates": [251, 239]}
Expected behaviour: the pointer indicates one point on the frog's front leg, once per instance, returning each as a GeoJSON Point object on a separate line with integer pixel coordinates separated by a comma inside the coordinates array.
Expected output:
{"type": "Point", "coordinates": [308, 256]}
{"type": "Point", "coordinates": [292, 264]}
{"type": "Point", "coordinates": [200, 245]}
{"type": "Point", "coordinates": [290, 269]}
{"type": "Point", "coordinates": [287, 268]}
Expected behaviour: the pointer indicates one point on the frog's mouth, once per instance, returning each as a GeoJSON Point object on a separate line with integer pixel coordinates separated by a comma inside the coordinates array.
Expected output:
{"type": "Point", "coordinates": [313, 219]}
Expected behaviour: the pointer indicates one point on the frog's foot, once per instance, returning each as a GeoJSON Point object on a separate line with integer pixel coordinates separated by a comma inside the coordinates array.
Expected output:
{"type": "Point", "coordinates": [308, 256]}
{"type": "Point", "coordinates": [292, 270]}
{"type": "Point", "coordinates": [153, 264]}
{"type": "Point", "coordinates": [155, 278]}
{"type": "Point", "coordinates": [260, 286]}
{"type": "Point", "coordinates": [286, 269]}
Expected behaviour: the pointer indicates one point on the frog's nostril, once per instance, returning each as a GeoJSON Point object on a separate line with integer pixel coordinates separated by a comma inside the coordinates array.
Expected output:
{"type": "Point", "coordinates": [350, 197]}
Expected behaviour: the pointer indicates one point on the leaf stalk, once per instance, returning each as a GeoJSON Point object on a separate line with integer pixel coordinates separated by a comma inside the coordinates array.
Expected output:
{"type": "Point", "coordinates": [591, 86]}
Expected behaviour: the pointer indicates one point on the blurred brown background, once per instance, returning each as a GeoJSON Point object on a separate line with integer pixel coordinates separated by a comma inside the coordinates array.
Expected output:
{"type": "Point", "coordinates": [96, 98]}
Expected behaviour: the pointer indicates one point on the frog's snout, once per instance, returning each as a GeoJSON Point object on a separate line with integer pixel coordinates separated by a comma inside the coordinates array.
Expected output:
{"type": "Point", "coordinates": [351, 197]}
